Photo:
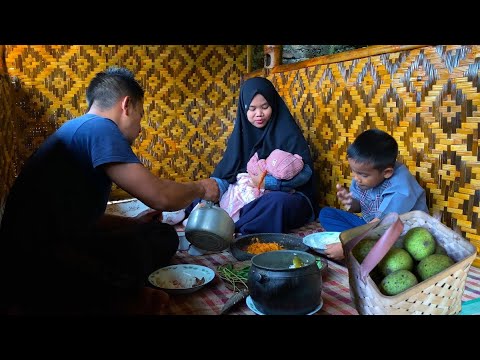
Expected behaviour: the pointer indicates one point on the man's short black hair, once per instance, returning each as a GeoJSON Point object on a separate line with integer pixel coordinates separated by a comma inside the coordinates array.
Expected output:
{"type": "Point", "coordinates": [108, 86]}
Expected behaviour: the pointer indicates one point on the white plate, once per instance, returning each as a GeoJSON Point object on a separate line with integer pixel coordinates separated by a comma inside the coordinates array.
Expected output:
{"type": "Point", "coordinates": [252, 306]}
{"type": "Point", "coordinates": [319, 241]}
{"type": "Point", "coordinates": [173, 217]}
{"type": "Point", "coordinates": [181, 279]}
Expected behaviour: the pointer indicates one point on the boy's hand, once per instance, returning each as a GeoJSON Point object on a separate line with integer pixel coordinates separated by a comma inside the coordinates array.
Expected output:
{"type": "Point", "coordinates": [334, 251]}
{"type": "Point", "coordinates": [344, 196]}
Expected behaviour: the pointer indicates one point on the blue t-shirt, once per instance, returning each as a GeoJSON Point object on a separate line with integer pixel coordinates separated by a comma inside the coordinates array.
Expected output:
{"type": "Point", "coordinates": [62, 186]}
{"type": "Point", "coordinates": [401, 193]}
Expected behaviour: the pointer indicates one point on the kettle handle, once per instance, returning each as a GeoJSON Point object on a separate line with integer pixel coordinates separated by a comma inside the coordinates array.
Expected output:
{"type": "Point", "coordinates": [206, 204]}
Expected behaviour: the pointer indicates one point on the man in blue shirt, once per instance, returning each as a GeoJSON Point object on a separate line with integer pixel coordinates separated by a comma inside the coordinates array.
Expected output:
{"type": "Point", "coordinates": [380, 185]}
{"type": "Point", "coordinates": [60, 253]}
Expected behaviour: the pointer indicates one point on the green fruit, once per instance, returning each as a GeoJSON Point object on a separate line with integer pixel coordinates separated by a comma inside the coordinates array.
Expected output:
{"type": "Point", "coordinates": [432, 265]}
{"type": "Point", "coordinates": [440, 250]}
{"type": "Point", "coordinates": [419, 243]}
{"type": "Point", "coordinates": [397, 282]}
{"type": "Point", "coordinates": [361, 250]}
{"type": "Point", "coordinates": [395, 259]}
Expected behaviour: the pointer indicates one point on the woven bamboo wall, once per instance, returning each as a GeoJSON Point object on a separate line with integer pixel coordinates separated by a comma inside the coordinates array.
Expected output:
{"type": "Point", "coordinates": [190, 100]}
{"type": "Point", "coordinates": [427, 98]}
{"type": "Point", "coordinates": [8, 136]}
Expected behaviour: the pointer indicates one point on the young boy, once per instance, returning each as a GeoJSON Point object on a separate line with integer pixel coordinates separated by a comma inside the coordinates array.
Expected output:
{"type": "Point", "coordinates": [380, 185]}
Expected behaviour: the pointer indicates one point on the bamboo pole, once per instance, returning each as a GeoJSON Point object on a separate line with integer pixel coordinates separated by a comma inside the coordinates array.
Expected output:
{"type": "Point", "coordinates": [3, 64]}
{"type": "Point", "coordinates": [273, 56]}
{"type": "Point", "coordinates": [249, 57]}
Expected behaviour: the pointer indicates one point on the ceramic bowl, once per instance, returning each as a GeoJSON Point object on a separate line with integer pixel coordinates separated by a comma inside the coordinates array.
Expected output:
{"type": "Point", "coordinates": [319, 241]}
{"type": "Point", "coordinates": [182, 278]}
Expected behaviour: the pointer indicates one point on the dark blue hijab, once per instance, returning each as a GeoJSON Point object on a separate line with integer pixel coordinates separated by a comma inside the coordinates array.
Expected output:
{"type": "Point", "coordinates": [281, 132]}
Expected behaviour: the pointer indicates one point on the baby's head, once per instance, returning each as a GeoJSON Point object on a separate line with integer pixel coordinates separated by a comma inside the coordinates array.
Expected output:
{"type": "Point", "coordinates": [372, 158]}
{"type": "Point", "coordinates": [283, 165]}
{"type": "Point", "coordinates": [255, 166]}
{"type": "Point", "coordinates": [280, 164]}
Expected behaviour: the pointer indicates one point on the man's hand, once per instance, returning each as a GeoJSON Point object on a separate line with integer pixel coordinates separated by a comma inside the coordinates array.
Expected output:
{"type": "Point", "coordinates": [345, 197]}
{"type": "Point", "coordinates": [212, 192]}
{"type": "Point", "coordinates": [149, 215]}
{"type": "Point", "coordinates": [147, 302]}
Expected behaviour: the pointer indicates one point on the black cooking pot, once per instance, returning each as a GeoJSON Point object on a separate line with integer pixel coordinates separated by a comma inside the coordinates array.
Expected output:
{"type": "Point", "coordinates": [278, 288]}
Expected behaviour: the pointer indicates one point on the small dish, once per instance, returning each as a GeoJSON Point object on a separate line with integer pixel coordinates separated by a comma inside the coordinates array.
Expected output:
{"type": "Point", "coordinates": [319, 241]}
{"type": "Point", "coordinates": [287, 241]}
{"type": "Point", "coordinates": [182, 278]}
{"type": "Point", "coordinates": [173, 217]}
{"type": "Point", "coordinates": [252, 306]}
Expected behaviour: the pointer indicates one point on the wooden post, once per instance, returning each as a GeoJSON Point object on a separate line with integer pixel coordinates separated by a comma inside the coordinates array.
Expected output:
{"type": "Point", "coordinates": [3, 65]}
{"type": "Point", "coordinates": [273, 56]}
{"type": "Point", "coordinates": [249, 58]}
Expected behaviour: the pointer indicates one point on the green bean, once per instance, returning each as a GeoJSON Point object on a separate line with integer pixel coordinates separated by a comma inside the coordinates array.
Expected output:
{"type": "Point", "coordinates": [233, 276]}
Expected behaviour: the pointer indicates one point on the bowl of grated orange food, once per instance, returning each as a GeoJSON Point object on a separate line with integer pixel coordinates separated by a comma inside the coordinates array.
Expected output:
{"type": "Point", "coordinates": [246, 246]}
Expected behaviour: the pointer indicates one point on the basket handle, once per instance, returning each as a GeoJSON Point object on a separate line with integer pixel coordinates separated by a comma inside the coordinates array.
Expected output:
{"type": "Point", "coordinates": [380, 248]}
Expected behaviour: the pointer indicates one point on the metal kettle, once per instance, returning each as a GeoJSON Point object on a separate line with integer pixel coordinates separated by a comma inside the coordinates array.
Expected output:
{"type": "Point", "coordinates": [209, 227]}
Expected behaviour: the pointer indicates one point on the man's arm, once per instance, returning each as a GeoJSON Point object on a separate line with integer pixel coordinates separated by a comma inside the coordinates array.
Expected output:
{"type": "Point", "coordinates": [159, 194]}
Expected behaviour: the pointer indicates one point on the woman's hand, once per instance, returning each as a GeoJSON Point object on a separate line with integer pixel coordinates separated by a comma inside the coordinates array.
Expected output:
{"type": "Point", "coordinates": [258, 180]}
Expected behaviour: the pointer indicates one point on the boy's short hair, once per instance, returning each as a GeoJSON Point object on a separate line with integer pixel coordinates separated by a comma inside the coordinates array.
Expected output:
{"type": "Point", "coordinates": [375, 147]}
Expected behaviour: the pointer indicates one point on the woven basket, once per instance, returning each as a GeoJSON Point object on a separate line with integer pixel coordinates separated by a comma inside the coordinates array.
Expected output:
{"type": "Point", "coordinates": [440, 294]}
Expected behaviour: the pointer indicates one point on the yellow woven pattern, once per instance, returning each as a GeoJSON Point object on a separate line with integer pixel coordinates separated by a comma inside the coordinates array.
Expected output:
{"type": "Point", "coordinates": [8, 141]}
{"type": "Point", "coordinates": [190, 100]}
{"type": "Point", "coordinates": [427, 98]}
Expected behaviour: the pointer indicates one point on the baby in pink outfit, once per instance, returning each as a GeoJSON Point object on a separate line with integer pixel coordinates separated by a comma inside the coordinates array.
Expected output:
{"type": "Point", "coordinates": [280, 164]}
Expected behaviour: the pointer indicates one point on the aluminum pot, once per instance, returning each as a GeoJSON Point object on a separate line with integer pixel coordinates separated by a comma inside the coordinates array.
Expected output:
{"type": "Point", "coordinates": [209, 227]}
{"type": "Point", "coordinates": [277, 288]}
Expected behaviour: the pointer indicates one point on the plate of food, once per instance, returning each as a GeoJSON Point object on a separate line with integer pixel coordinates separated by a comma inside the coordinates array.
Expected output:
{"type": "Point", "coordinates": [247, 246]}
{"type": "Point", "coordinates": [181, 278]}
{"type": "Point", "coordinates": [318, 241]}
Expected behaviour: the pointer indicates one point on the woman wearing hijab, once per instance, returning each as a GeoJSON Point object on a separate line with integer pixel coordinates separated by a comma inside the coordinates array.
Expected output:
{"type": "Point", "coordinates": [263, 124]}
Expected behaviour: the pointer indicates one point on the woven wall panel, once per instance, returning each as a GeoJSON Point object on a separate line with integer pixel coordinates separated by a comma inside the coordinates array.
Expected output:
{"type": "Point", "coordinates": [8, 139]}
{"type": "Point", "coordinates": [427, 98]}
{"type": "Point", "coordinates": [190, 100]}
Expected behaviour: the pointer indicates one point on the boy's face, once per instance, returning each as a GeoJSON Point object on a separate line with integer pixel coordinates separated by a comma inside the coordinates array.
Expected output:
{"type": "Point", "coordinates": [367, 176]}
